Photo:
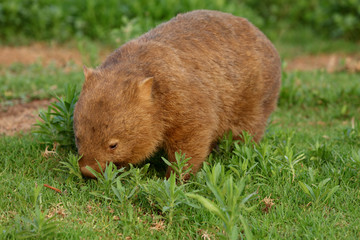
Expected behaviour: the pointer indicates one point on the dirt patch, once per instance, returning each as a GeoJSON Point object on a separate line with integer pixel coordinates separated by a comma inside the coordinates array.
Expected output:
{"type": "Point", "coordinates": [39, 52]}
{"type": "Point", "coordinates": [60, 55]}
{"type": "Point", "coordinates": [21, 117]}
{"type": "Point", "coordinates": [329, 62]}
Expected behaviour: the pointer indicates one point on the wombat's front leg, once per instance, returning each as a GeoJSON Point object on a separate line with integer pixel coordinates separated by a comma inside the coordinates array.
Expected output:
{"type": "Point", "coordinates": [197, 146]}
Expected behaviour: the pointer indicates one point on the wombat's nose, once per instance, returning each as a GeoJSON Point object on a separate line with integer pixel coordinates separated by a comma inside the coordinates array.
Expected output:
{"type": "Point", "coordinates": [83, 163]}
{"type": "Point", "coordinates": [86, 173]}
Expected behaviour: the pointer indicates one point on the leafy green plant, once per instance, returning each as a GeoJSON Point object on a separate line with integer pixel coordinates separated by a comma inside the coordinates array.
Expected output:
{"type": "Point", "coordinates": [180, 167]}
{"type": "Point", "coordinates": [267, 161]}
{"type": "Point", "coordinates": [38, 226]}
{"type": "Point", "coordinates": [318, 193]}
{"type": "Point", "coordinates": [226, 144]}
{"type": "Point", "coordinates": [243, 156]}
{"type": "Point", "coordinates": [70, 166]}
{"type": "Point", "coordinates": [107, 177]}
{"type": "Point", "coordinates": [292, 157]}
{"type": "Point", "coordinates": [121, 192]}
{"type": "Point", "coordinates": [56, 126]}
{"type": "Point", "coordinates": [229, 200]}
{"type": "Point", "coordinates": [167, 195]}
{"type": "Point", "coordinates": [135, 177]}
{"type": "Point", "coordinates": [124, 192]}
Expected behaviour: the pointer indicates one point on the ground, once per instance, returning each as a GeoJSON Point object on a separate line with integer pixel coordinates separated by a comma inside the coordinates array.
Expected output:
{"type": "Point", "coordinates": [21, 116]}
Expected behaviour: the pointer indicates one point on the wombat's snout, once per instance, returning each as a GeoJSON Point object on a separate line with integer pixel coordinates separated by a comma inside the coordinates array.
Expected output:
{"type": "Point", "coordinates": [83, 163]}
{"type": "Point", "coordinates": [86, 173]}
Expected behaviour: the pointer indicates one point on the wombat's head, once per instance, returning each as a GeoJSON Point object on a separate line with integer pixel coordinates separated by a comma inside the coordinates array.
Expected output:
{"type": "Point", "coordinates": [115, 120]}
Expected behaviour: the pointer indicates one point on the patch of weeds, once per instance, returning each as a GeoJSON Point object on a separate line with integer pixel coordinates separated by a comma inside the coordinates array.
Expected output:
{"type": "Point", "coordinates": [123, 189]}
{"type": "Point", "coordinates": [247, 158]}
{"type": "Point", "coordinates": [267, 160]}
{"type": "Point", "coordinates": [227, 201]}
{"type": "Point", "coordinates": [319, 193]}
{"type": "Point", "coordinates": [56, 126]}
{"type": "Point", "coordinates": [181, 167]}
{"type": "Point", "coordinates": [120, 188]}
{"type": "Point", "coordinates": [243, 159]}
{"type": "Point", "coordinates": [38, 225]}
{"type": "Point", "coordinates": [123, 193]}
{"type": "Point", "coordinates": [137, 174]}
{"type": "Point", "coordinates": [106, 178]}
{"type": "Point", "coordinates": [236, 153]}
{"type": "Point", "coordinates": [167, 195]}
{"type": "Point", "coordinates": [287, 152]}
{"type": "Point", "coordinates": [70, 166]}
{"type": "Point", "coordinates": [226, 145]}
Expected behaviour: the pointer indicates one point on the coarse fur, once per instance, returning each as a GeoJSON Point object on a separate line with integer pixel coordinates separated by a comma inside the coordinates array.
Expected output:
{"type": "Point", "coordinates": [180, 86]}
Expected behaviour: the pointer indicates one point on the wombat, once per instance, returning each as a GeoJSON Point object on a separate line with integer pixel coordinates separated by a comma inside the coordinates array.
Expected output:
{"type": "Point", "coordinates": [179, 87]}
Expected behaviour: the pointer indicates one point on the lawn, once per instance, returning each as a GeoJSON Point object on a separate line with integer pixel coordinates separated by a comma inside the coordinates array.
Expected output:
{"type": "Point", "coordinates": [302, 181]}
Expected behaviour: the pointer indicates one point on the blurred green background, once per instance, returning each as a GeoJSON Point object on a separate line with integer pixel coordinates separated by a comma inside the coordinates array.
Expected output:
{"type": "Point", "coordinates": [109, 21]}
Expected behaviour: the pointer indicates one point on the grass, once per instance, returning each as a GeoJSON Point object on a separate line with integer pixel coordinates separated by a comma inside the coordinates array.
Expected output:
{"type": "Point", "coordinates": [302, 41]}
{"type": "Point", "coordinates": [301, 181]}
{"type": "Point", "coordinates": [34, 82]}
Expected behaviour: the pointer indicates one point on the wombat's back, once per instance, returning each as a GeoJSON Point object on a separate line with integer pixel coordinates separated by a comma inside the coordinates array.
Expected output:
{"type": "Point", "coordinates": [219, 61]}
{"type": "Point", "coordinates": [233, 64]}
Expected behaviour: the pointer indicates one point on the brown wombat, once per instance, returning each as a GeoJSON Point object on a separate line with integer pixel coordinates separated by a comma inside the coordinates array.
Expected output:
{"type": "Point", "coordinates": [180, 86]}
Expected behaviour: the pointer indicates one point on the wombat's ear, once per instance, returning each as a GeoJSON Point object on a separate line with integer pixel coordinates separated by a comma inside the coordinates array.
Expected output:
{"type": "Point", "coordinates": [145, 87]}
{"type": "Point", "coordinates": [87, 72]}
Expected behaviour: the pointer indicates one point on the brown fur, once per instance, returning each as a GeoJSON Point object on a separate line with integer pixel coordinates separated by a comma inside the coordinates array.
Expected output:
{"type": "Point", "coordinates": [180, 86]}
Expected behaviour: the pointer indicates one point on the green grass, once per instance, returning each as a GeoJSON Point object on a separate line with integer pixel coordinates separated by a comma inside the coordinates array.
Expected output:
{"type": "Point", "coordinates": [300, 182]}
{"type": "Point", "coordinates": [35, 82]}
{"type": "Point", "coordinates": [308, 164]}
{"type": "Point", "coordinates": [292, 42]}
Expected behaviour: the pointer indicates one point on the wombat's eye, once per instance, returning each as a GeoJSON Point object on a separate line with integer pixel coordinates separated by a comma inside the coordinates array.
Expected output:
{"type": "Point", "coordinates": [113, 143]}
{"type": "Point", "coordinates": [113, 146]}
